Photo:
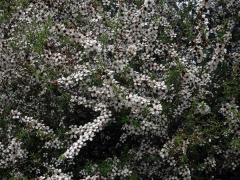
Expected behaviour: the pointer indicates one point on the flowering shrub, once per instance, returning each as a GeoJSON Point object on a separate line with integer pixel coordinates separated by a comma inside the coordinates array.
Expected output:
{"type": "Point", "coordinates": [142, 89]}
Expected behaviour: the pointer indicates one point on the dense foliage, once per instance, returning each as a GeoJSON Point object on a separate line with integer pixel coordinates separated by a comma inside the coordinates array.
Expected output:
{"type": "Point", "coordinates": [121, 89]}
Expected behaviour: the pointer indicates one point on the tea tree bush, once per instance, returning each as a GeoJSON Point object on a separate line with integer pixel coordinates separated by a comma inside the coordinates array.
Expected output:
{"type": "Point", "coordinates": [142, 89]}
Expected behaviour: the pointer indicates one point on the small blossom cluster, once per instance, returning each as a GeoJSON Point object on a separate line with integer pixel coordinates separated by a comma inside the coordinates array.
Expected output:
{"type": "Point", "coordinates": [88, 131]}
{"type": "Point", "coordinates": [31, 123]}
{"type": "Point", "coordinates": [12, 153]}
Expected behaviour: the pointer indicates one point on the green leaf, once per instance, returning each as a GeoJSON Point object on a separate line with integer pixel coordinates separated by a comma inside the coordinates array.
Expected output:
{"type": "Point", "coordinates": [105, 167]}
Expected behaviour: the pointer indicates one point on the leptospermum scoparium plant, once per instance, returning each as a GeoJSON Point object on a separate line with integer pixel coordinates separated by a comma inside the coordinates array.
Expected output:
{"type": "Point", "coordinates": [121, 89]}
